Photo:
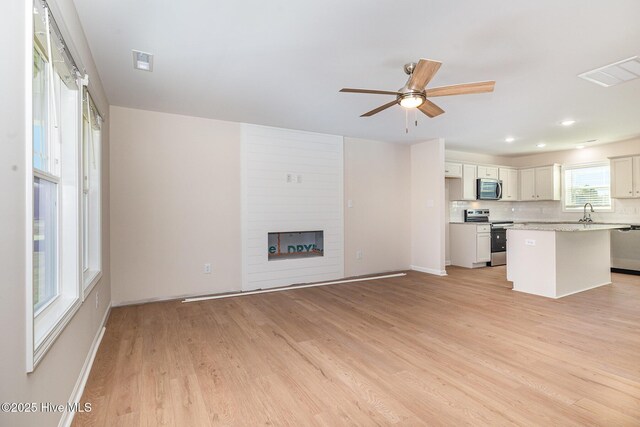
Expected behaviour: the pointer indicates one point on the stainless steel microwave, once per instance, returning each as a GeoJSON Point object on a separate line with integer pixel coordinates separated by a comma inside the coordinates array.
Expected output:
{"type": "Point", "coordinates": [488, 189]}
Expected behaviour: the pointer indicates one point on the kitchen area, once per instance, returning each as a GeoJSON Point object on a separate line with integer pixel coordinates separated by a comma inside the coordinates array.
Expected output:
{"type": "Point", "coordinates": [519, 217]}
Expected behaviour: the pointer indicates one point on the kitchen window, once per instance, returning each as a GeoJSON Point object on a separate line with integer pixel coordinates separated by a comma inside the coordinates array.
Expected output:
{"type": "Point", "coordinates": [587, 183]}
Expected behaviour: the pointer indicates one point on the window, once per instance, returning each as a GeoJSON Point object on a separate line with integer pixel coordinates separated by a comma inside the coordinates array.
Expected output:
{"type": "Point", "coordinates": [91, 221]}
{"type": "Point", "coordinates": [587, 183]}
{"type": "Point", "coordinates": [54, 232]}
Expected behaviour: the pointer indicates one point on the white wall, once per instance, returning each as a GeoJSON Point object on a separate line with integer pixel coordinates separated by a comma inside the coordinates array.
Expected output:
{"type": "Point", "coordinates": [175, 205]}
{"type": "Point", "coordinates": [177, 190]}
{"type": "Point", "coordinates": [428, 207]}
{"type": "Point", "coordinates": [54, 378]}
{"type": "Point", "coordinates": [312, 201]}
{"type": "Point", "coordinates": [589, 154]}
{"type": "Point", "coordinates": [378, 183]}
{"type": "Point", "coordinates": [477, 158]}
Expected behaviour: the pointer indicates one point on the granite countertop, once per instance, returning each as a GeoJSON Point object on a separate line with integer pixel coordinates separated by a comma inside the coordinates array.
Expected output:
{"type": "Point", "coordinates": [470, 223]}
{"type": "Point", "coordinates": [535, 221]}
{"type": "Point", "coordinates": [560, 226]}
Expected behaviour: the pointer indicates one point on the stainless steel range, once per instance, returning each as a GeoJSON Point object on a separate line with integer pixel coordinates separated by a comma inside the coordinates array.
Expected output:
{"type": "Point", "coordinates": [498, 234]}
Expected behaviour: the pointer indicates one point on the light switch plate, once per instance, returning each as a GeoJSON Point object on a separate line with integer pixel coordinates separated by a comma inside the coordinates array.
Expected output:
{"type": "Point", "coordinates": [530, 242]}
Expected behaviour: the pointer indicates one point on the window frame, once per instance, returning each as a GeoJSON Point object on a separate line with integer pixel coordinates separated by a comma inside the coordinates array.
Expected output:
{"type": "Point", "coordinates": [585, 165]}
{"type": "Point", "coordinates": [44, 325]}
{"type": "Point", "coordinates": [91, 277]}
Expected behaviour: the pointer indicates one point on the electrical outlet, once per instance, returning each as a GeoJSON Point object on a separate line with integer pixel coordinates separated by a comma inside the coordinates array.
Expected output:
{"type": "Point", "coordinates": [349, 203]}
{"type": "Point", "coordinates": [359, 254]}
{"type": "Point", "coordinates": [97, 298]}
{"type": "Point", "coordinates": [290, 178]}
{"type": "Point", "coordinates": [299, 179]}
{"type": "Point", "coordinates": [207, 268]}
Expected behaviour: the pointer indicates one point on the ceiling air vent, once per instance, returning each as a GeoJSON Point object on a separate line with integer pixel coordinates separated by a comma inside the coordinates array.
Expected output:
{"type": "Point", "coordinates": [614, 74]}
{"type": "Point", "coordinates": [142, 60]}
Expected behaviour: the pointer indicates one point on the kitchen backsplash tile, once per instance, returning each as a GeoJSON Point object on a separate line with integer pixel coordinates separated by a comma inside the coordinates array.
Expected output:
{"type": "Point", "coordinates": [625, 211]}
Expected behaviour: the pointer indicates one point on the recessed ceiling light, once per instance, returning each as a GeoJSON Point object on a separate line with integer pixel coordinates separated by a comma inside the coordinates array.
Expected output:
{"type": "Point", "coordinates": [579, 147]}
{"type": "Point", "coordinates": [567, 122]}
{"type": "Point", "coordinates": [542, 144]}
{"type": "Point", "coordinates": [142, 60]}
{"type": "Point", "coordinates": [509, 139]}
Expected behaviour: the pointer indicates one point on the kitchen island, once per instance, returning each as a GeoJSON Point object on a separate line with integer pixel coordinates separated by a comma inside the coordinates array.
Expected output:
{"type": "Point", "coordinates": [556, 260]}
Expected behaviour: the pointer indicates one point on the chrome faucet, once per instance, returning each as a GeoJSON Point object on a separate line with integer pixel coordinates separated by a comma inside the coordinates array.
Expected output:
{"type": "Point", "coordinates": [585, 217]}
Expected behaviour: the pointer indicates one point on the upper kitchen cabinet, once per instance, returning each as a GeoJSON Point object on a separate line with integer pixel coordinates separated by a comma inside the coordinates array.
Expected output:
{"type": "Point", "coordinates": [490, 172]}
{"type": "Point", "coordinates": [509, 178]}
{"type": "Point", "coordinates": [452, 170]}
{"type": "Point", "coordinates": [542, 183]}
{"type": "Point", "coordinates": [464, 188]}
{"type": "Point", "coordinates": [625, 177]}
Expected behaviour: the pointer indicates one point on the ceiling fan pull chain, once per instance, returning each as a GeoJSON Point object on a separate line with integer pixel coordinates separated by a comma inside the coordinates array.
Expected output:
{"type": "Point", "coordinates": [415, 117]}
{"type": "Point", "coordinates": [406, 121]}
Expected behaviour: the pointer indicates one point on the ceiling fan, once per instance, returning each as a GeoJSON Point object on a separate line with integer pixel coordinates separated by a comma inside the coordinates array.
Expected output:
{"type": "Point", "coordinates": [414, 93]}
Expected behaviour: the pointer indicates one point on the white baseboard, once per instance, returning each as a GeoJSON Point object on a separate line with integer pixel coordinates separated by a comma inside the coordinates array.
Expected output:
{"type": "Point", "coordinates": [582, 290]}
{"type": "Point", "coordinates": [447, 263]}
{"type": "Point", "coordinates": [429, 270]}
{"type": "Point", "coordinates": [78, 389]}
{"type": "Point", "coordinates": [164, 298]}
{"type": "Point", "coordinates": [290, 288]}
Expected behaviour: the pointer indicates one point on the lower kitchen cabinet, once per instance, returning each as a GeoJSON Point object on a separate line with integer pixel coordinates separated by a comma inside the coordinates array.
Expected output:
{"type": "Point", "coordinates": [470, 244]}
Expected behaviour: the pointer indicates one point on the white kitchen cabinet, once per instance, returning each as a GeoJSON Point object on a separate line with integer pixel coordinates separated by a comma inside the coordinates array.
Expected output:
{"type": "Point", "coordinates": [527, 184]}
{"type": "Point", "coordinates": [483, 247]}
{"type": "Point", "coordinates": [542, 183]}
{"type": "Point", "coordinates": [509, 178]}
{"type": "Point", "coordinates": [625, 177]}
{"type": "Point", "coordinates": [469, 176]}
{"type": "Point", "coordinates": [452, 170]}
{"type": "Point", "coordinates": [465, 187]}
{"type": "Point", "coordinates": [636, 176]}
{"type": "Point", "coordinates": [470, 244]}
{"type": "Point", "coordinates": [490, 172]}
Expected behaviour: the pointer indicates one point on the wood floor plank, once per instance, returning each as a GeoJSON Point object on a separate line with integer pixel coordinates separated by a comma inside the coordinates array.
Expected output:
{"type": "Point", "coordinates": [415, 350]}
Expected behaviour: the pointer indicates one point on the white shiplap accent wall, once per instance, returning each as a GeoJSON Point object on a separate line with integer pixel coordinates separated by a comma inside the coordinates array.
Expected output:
{"type": "Point", "coordinates": [271, 204]}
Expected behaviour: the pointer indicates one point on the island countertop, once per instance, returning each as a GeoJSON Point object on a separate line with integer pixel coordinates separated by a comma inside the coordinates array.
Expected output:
{"type": "Point", "coordinates": [568, 226]}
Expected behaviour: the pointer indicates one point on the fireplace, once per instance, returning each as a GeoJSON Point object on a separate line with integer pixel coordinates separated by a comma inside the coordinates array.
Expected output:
{"type": "Point", "coordinates": [295, 244]}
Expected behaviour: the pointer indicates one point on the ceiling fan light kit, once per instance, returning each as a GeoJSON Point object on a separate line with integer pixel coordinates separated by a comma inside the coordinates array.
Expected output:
{"type": "Point", "coordinates": [412, 100]}
{"type": "Point", "coordinates": [414, 93]}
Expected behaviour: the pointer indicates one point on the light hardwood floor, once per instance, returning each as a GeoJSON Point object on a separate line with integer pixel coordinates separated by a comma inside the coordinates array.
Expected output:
{"type": "Point", "coordinates": [415, 350]}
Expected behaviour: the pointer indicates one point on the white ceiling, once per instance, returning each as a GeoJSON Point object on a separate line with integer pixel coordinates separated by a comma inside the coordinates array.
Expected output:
{"type": "Point", "coordinates": [282, 62]}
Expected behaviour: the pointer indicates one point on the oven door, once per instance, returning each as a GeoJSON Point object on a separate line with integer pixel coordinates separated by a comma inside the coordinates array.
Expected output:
{"type": "Point", "coordinates": [498, 240]}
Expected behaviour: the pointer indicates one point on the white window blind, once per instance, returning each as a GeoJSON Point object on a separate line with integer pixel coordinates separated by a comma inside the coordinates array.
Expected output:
{"type": "Point", "coordinates": [589, 183]}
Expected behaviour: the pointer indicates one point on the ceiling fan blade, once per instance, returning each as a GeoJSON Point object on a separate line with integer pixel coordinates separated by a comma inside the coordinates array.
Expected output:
{"type": "Point", "coordinates": [422, 74]}
{"type": "Point", "coordinates": [430, 109]}
{"type": "Point", "coordinates": [377, 92]}
{"type": "Point", "coordinates": [462, 89]}
{"type": "Point", "coordinates": [382, 107]}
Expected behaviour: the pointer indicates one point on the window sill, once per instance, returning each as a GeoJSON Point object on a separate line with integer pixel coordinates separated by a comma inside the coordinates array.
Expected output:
{"type": "Point", "coordinates": [50, 323]}
{"type": "Point", "coordinates": [91, 279]}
